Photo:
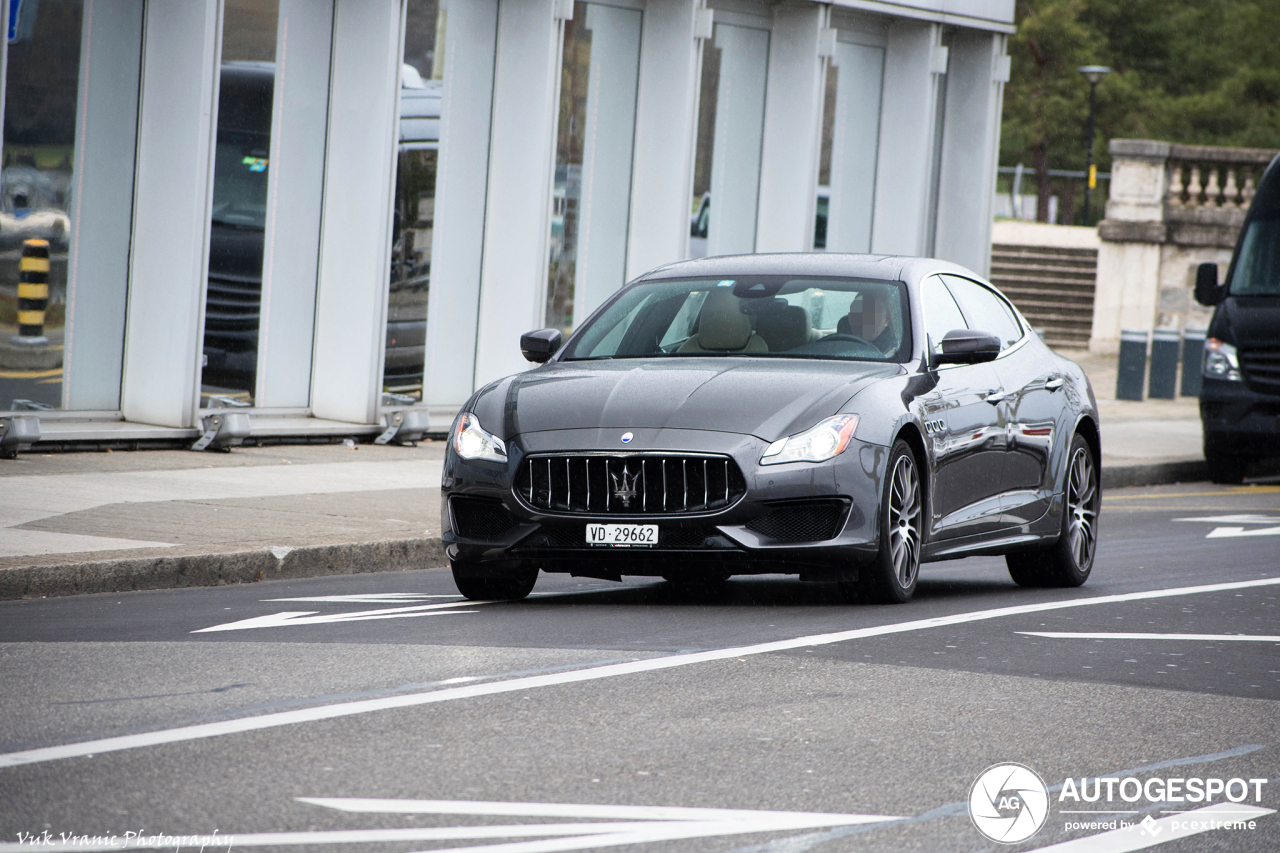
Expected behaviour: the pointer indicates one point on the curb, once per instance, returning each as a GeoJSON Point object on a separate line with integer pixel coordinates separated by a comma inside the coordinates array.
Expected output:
{"type": "Point", "coordinates": [1157, 474]}
{"type": "Point", "coordinates": [233, 567]}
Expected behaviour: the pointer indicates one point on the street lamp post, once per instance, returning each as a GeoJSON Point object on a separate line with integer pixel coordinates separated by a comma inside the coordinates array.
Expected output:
{"type": "Point", "coordinates": [1092, 73]}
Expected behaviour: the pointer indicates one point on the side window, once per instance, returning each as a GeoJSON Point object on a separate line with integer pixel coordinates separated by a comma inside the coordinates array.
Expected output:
{"type": "Point", "coordinates": [984, 310]}
{"type": "Point", "coordinates": [940, 312]}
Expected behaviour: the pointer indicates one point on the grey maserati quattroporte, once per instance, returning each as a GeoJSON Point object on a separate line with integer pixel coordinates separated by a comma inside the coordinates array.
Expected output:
{"type": "Point", "coordinates": [840, 417]}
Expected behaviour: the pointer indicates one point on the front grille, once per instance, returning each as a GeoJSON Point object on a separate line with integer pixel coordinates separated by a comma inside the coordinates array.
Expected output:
{"type": "Point", "coordinates": [1261, 369]}
{"type": "Point", "coordinates": [480, 518]}
{"type": "Point", "coordinates": [642, 484]}
{"type": "Point", "coordinates": [801, 521]}
{"type": "Point", "coordinates": [675, 538]}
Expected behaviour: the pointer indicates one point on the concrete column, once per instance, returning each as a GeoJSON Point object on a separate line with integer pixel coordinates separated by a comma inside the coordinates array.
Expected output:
{"type": "Point", "coordinates": [792, 128]}
{"type": "Point", "coordinates": [906, 138]}
{"type": "Point", "coordinates": [173, 187]}
{"type": "Point", "coordinates": [355, 243]}
{"type": "Point", "coordinates": [521, 156]}
{"type": "Point", "coordinates": [1129, 260]}
{"type": "Point", "coordinates": [976, 71]}
{"type": "Point", "coordinates": [457, 244]}
{"type": "Point", "coordinates": [662, 161]}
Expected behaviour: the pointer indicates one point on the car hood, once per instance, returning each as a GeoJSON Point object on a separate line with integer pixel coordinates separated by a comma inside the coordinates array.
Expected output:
{"type": "Point", "coordinates": [761, 397]}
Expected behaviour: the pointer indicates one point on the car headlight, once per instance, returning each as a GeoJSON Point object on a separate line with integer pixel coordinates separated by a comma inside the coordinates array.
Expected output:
{"type": "Point", "coordinates": [471, 441]}
{"type": "Point", "coordinates": [817, 444]}
{"type": "Point", "coordinates": [1220, 361]}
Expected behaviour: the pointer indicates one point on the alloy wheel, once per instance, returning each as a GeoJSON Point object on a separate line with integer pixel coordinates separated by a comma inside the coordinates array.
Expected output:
{"type": "Point", "coordinates": [904, 521]}
{"type": "Point", "coordinates": [1082, 489]}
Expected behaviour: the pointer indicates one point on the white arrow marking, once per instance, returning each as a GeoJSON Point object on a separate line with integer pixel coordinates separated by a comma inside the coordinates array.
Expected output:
{"type": "Point", "coordinates": [307, 617]}
{"type": "Point", "coordinates": [1236, 519]}
{"type": "Point", "coordinates": [625, 825]}
{"type": "Point", "coordinates": [1229, 532]}
{"type": "Point", "coordinates": [1143, 835]}
{"type": "Point", "coordinates": [1209, 638]}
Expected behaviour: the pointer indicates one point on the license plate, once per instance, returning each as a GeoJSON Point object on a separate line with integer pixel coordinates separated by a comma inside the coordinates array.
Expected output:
{"type": "Point", "coordinates": [623, 535]}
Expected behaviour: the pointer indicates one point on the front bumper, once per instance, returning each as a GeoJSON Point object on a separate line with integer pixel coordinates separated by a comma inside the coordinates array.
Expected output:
{"type": "Point", "coordinates": [1239, 421]}
{"type": "Point", "coordinates": [735, 540]}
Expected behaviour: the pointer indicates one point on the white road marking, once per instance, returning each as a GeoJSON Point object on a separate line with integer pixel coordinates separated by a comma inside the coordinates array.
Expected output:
{"type": "Point", "coordinates": [1235, 524]}
{"type": "Point", "coordinates": [1209, 638]}
{"type": "Point", "coordinates": [626, 825]}
{"type": "Point", "coordinates": [1150, 832]}
{"type": "Point", "coordinates": [1236, 519]}
{"type": "Point", "coordinates": [308, 617]}
{"type": "Point", "coordinates": [370, 598]}
{"type": "Point", "coordinates": [406, 700]}
{"type": "Point", "coordinates": [1232, 532]}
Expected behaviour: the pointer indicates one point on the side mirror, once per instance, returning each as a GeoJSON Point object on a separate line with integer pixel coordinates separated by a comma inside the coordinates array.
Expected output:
{"type": "Point", "coordinates": [1208, 291]}
{"type": "Point", "coordinates": [965, 346]}
{"type": "Point", "coordinates": [540, 345]}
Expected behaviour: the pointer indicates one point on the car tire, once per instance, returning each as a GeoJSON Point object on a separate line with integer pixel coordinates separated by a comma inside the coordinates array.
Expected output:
{"type": "Point", "coordinates": [1068, 562]}
{"type": "Point", "coordinates": [1226, 469]}
{"type": "Point", "coordinates": [891, 577]}
{"type": "Point", "coordinates": [512, 588]}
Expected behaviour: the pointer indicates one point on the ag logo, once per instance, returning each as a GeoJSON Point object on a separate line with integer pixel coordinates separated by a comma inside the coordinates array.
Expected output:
{"type": "Point", "coordinates": [1008, 803]}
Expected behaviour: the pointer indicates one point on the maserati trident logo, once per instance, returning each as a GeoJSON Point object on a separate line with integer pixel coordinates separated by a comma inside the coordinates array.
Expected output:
{"type": "Point", "coordinates": [626, 437]}
{"type": "Point", "coordinates": [625, 489]}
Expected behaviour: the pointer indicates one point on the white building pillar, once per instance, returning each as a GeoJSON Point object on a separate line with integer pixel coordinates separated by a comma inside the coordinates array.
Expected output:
{"type": "Point", "coordinates": [792, 127]}
{"type": "Point", "coordinates": [913, 55]}
{"type": "Point", "coordinates": [172, 192]}
{"type": "Point", "coordinates": [976, 73]}
{"type": "Point", "coordinates": [355, 242]}
{"type": "Point", "coordinates": [662, 169]}
{"type": "Point", "coordinates": [457, 243]}
{"type": "Point", "coordinates": [300, 115]}
{"type": "Point", "coordinates": [521, 155]}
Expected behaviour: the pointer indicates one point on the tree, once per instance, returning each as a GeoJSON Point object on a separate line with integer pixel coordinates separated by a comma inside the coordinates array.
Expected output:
{"type": "Point", "coordinates": [1195, 71]}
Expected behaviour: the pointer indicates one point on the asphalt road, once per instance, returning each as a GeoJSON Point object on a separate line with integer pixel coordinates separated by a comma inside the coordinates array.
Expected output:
{"type": "Point", "coordinates": [380, 712]}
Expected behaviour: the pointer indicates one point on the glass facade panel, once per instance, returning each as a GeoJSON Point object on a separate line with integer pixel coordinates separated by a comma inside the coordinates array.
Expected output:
{"type": "Point", "coordinates": [70, 116]}
{"type": "Point", "coordinates": [242, 154]}
{"type": "Point", "coordinates": [413, 218]}
{"type": "Point", "coordinates": [726, 181]}
{"type": "Point", "coordinates": [592, 188]}
{"type": "Point", "coordinates": [850, 143]}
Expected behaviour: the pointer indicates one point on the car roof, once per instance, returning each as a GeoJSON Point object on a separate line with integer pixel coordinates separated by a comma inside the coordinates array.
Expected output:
{"type": "Point", "coordinates": [883, 267]}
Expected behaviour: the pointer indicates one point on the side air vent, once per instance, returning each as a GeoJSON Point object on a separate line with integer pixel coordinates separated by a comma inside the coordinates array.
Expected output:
{"type": "Point", "coordinates": [485, 519]}
{"type": "Point", "coordinates": [801, 521]}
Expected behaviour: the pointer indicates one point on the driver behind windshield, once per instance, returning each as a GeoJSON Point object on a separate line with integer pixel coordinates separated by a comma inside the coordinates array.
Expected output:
{"type": "Point", "coordinates": [871, 318]}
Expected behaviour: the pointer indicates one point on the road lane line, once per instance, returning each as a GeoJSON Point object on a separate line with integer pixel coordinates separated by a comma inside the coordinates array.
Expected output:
{"type": "Point", "coordinates": [1210, 638]}
{"type": "Point", "coordinates": [1150, 832]}
{"type": "Point", "coordinates": [364, 706]}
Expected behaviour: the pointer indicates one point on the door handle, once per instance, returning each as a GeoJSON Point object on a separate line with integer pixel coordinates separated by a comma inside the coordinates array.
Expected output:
{"type": "Point", "coordinates": [1053, 383]}
{"type": "Point", "coordinates": [995, 396]}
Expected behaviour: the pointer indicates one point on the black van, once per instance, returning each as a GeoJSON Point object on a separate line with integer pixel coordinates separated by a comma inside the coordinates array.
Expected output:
{"type": "Point", "coordinates": [1240, 401]}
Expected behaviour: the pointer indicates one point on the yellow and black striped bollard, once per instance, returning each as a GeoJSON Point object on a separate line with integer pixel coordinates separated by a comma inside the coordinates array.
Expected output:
{"type": "Point", "coordinates": [33, 293]}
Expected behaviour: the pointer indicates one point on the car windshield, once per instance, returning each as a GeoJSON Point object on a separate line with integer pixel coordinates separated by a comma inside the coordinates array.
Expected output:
{"type": "Point", "coordinates": [1257, 269]}
{"type": "Point", "coordinates": [751, 316]}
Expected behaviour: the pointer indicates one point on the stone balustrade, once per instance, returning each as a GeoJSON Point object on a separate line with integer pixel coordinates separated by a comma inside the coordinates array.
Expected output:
{"type": "Point", "coordinates": [1171, 208]}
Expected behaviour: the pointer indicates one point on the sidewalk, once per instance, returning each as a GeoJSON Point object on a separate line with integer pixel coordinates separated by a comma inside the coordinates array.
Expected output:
{"type": "Point", "coordinates": [104, 522]}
